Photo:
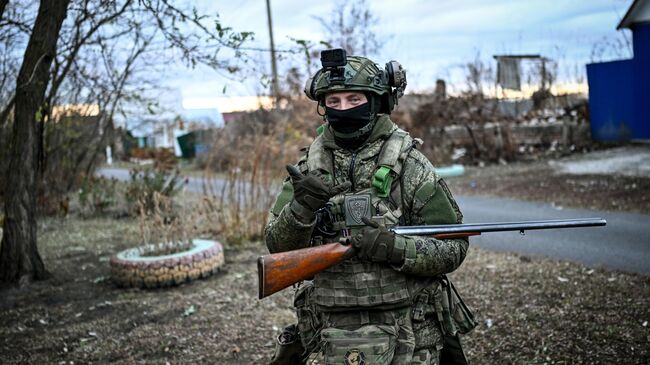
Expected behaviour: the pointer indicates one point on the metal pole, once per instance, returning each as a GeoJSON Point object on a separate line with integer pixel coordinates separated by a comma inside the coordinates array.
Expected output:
{"type": "Point", "coordinates": [543, 73]}
{"type": "Point", "coordinates": [275, 90]}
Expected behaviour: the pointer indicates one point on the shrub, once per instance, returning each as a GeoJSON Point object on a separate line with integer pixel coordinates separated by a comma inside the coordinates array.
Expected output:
{"type": "Point", "coordinates": [147, 183]}
{"type": "Point", "coordinates": [96, 194]}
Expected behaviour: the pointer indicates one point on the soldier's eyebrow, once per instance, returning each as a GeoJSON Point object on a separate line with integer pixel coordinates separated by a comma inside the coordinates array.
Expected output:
{"type": "Point", "coordinates": [353, 97]}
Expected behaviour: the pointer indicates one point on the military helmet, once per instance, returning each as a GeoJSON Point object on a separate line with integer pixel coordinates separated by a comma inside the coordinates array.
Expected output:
{"type": "Point", "coordinates": [355, 73]}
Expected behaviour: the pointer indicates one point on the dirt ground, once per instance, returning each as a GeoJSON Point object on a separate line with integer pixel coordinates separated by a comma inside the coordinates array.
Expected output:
{"type": "Point", "coordinates": [616, 179]}
{"type": "Point", "coordinates": [531, 310]}
{"type": "Point", "coordinates": [80, 317]}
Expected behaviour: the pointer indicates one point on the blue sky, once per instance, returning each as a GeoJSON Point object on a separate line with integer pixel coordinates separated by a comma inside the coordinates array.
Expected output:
{"type": "Point", "coordinates": [432, 39]}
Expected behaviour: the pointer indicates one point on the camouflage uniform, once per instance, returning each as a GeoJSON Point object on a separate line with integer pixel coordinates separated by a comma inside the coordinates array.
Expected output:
{"type": "Point", "coordinates": [370, 312]}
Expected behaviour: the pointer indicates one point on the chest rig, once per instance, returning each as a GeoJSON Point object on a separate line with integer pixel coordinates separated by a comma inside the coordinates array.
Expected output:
{"type": "Point", "coordinates": [354, 283]}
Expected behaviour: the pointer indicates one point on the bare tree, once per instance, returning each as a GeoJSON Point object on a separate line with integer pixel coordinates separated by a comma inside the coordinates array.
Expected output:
{"type": "Point", "coordinates": [477, 74]}
{"type": "Point", "coordinates": [15, 20]}
{"type": "Point", "coordinates": [618, 46]}
{"type": "Point", "coordinates": [99, 56]}
{"type": "Point", "coordinates": [19, 257]}
{"type": "Point", "coordinates": [352, 26]}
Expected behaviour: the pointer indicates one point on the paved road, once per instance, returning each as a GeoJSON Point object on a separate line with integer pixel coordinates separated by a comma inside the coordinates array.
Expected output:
{"type": "Point", "coordinates": [623, 244]}
{"type": "Point", "coordinates": [194, 184]}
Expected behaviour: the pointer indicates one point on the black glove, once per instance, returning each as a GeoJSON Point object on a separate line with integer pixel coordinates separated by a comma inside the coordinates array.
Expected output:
{"type": "Point", "coordinates": [311, 193]}
{"type": "Point", "coordinates": [377, 244]}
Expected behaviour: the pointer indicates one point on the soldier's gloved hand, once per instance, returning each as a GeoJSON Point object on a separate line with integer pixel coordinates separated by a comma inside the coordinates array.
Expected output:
{"type": "Point", "coordinates": [377, 244]}
{"type": "Point", "coordinates": [311, 193]}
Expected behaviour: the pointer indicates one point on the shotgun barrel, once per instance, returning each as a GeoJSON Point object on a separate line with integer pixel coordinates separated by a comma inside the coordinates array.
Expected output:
{"type": "Point", "coordinates": [280, 270]}
{"type": "Point", "coordinates": [499, 227]}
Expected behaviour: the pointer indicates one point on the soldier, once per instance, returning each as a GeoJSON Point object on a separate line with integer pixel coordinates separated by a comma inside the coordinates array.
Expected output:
{"type": "Point", "coordinates": [391, 303]}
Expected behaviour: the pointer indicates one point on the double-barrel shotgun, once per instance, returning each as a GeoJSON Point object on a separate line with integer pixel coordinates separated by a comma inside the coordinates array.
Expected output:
{"type": "Point", "coordinates": [280, 270]}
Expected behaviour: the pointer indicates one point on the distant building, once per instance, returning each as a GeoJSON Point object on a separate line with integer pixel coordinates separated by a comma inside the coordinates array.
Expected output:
{"type": "Point", "coordinates": [164, 132]}
{"type": "Point", "coordinates": [82, 110]}
{"type": "Point", "coordinates": [619, 91]}
{"type": "Point", "coordinates": [232, 117]}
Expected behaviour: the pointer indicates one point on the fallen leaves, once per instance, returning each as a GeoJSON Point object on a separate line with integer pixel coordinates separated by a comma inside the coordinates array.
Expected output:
{"type": "Point", "coordinates": [539, 316]}
{"type": "Point", "coordinates": [526, 313]}
{"type": "Point", "coordinates": [189, 311]}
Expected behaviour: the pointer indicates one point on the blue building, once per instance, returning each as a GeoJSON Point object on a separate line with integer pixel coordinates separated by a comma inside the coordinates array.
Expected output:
{"type": "Point", "coordinates": [619, 91]}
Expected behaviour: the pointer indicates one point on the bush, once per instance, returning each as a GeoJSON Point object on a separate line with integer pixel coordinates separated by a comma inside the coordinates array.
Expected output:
{"type": "Point", "coordinates": [96, 194]}
{"type": "Point", "coordinates": [147, 183]}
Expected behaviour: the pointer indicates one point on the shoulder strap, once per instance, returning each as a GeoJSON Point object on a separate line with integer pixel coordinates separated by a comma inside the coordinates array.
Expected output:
{"type": "Point", "coordinates": [390, 161]}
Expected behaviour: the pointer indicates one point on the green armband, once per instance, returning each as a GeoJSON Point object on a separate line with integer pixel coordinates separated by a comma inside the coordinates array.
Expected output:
{"type": "Point", "coordinates": [284, 198]}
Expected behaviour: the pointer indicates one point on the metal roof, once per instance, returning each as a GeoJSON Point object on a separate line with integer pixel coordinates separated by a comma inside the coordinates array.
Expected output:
{"type": "Point", "coordinates": [634, 14]}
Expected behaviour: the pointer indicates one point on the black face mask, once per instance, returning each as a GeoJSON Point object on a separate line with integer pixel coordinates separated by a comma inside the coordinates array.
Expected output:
{"type": "Point", "coordinates": [349, 120]}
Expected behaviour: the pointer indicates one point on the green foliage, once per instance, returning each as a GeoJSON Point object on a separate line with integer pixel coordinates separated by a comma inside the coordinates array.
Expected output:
{"type": "Point", "coordinates": [96, 194]}
{"type": "Point", "coordinates": [146, 183]}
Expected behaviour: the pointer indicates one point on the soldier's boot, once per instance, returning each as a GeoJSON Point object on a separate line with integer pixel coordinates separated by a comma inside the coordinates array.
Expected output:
{"type": "Point", "coordinates": [288, 350]}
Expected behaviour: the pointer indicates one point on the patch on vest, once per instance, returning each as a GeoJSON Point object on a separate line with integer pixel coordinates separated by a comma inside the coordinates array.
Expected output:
{"type": "Point", "coordinates": [357, 207]}
{"type": "Point", "coordinates": [354, 357]}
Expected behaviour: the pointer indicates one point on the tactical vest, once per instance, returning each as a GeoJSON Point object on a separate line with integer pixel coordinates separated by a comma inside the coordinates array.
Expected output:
{"type": "Point", "coordinates": [355, 284]}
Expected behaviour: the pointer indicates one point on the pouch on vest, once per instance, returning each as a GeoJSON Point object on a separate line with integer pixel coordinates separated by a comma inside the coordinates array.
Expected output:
{"type": "Point", "coordinates": [461, 315]}
{"type": "Point", "coordinates": [371, 344]}
{"type": "Point", "coordinates": [450, 310]}
{"type": "Point", "coordinates": [308, 319]}
{"type": "Point", "coordinates": [427, 331]}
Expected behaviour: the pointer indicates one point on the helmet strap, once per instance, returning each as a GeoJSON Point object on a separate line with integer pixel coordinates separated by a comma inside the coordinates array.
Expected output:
{"type": "Point", "coordinates": [320, 111]}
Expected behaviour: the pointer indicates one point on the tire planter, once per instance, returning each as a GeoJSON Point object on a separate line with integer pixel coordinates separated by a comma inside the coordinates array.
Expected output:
{"type": "Point", "coordinates": [130, 269]}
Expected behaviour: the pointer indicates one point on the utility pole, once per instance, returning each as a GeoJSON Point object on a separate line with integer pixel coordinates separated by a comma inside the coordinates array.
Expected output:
{"type": "Point", "coordinates": [275, 90]}
{"type": "Point", "coordinates": [543, 73]}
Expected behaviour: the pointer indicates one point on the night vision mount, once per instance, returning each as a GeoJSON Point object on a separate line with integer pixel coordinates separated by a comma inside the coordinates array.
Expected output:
{"type": "Point", "coordinates": [334, 61]}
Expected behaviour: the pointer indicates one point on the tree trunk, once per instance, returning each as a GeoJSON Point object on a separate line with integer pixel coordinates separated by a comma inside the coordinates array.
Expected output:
{"type": "Point", "coordinates": [20, 261]}
{"type": "Point", "coordinates": [3, 5]}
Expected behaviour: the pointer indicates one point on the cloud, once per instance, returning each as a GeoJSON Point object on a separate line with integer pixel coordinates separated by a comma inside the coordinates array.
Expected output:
{"type": "Point", "coordinates": [430, 38]}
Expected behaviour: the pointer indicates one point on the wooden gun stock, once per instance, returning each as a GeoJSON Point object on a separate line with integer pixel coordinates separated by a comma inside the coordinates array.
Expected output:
{"type": "Point", "coordinates": [280, 270]}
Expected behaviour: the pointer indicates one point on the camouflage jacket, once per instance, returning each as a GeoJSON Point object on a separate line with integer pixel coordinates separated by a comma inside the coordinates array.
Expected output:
{"type": "Point", "coordinates": [426, 199]}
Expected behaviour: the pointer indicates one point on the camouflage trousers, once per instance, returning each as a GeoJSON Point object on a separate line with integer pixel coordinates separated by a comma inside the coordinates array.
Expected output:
{"type": "Point", "coordinates": [379, 337]}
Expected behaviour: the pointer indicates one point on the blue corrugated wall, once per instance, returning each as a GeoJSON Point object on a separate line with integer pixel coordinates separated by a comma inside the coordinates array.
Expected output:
{"type": "Point", "coordinates": [641, 39]}
{"type": "Point", "coordinates": [611, 105]}
{"type": "Point", "coordinates": [619, 93]}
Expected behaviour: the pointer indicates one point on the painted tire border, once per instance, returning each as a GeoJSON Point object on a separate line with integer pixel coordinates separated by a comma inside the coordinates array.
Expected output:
{"type": "Point", "coordinates": [130, 269]}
